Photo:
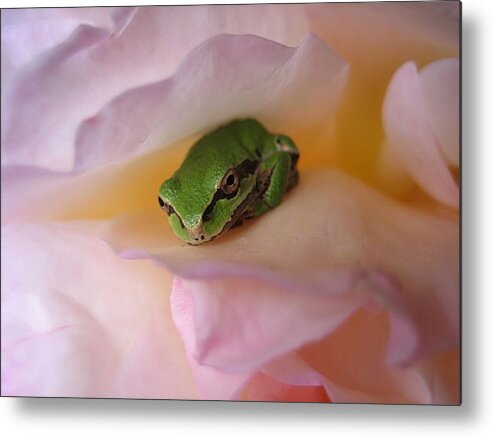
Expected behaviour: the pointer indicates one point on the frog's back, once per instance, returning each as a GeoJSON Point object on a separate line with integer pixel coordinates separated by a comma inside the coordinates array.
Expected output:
{"type": "Point", "coordinates": [195, 182]}
{"type": "Point", "coordinates": [228, 144]}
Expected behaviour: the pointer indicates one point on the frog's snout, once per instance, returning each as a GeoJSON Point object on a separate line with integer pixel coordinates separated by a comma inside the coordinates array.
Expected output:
{"type": "Point", "coordinates": [197, 235]}
{"type": "Point", "coordinates": [199, 239]}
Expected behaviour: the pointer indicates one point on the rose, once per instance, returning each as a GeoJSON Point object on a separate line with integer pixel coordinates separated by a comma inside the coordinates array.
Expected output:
{"type": "Point", "coordinates": [340, 293]}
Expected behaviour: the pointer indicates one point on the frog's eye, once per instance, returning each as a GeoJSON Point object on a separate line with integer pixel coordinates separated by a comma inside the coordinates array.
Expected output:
{"type": "Point", "coordinates": [279, 144]}
{"type": "Point", "coordinates": [164, 205]}
{"type": "Point", "coordinates": [230, 182]}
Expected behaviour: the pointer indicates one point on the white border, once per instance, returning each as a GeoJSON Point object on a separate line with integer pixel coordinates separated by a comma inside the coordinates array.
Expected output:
{"type": "Point", "coordinates": [54, 417]}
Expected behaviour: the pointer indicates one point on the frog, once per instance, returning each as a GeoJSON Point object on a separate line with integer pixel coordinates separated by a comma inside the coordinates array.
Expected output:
{"type": "Point", "coordinates": [237, 172]}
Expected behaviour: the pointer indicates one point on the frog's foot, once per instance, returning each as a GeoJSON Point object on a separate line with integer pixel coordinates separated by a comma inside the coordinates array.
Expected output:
{"type": "Point", "coordinates": [249, 214]}
{"type": "Point", "coordinates": [260, 207]}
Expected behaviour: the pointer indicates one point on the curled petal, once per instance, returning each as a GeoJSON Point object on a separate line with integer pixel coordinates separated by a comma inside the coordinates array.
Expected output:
{"type": "Point", "coordinates": [95, 65]}
{"type": "Point", "coordinates": [243, 323]}
{"type": "Point", "coordinates": [440, 82]}
{"type": "Point", "coordinates": [27, 33]}
{"type": "Point", "coordinates": [375, 39]}
{"type": "Point", "coordinates": [410, 135]}
{"type": "Point", "coordinates": [211, 383]}
{"type": "Point", "coordinates": [284, 379]}
{"type": "Point", "coordinates": [269, 287]}
{"type": "Point", "coordinates": [33, 90]}
{"type": "Point", "coordinates": [274, 76]}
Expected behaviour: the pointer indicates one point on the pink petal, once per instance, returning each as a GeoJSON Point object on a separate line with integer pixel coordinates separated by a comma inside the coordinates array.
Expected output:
{"type": "Point", "coordinates": [46, 143]}
{"type": "Point", "coordinates": [290, 369]}
{"type": "Point", "coordinates": [440, 82]}
{"type": "Point", "coordinates": [93, 66]}
{"type": "Point", "coordinates": [274, 77]}
{"type": "Point", "coordinates": [26, 33]}
{"type": "Point", "coordinates": [285, 379]}
{"type": "Point", "coordinates": [361, 253]}
{"type": "Point", "coordinates": [64, 360]}
{"type": "Point", "coordinates": [264, 388]}
{"type": "Point", "coordinates": [269, 287]}
{"type": "Point", "coordinates": [243, 324]}
{"type": "Point", "coordinates": [411, 139]}
{"type": "Point", "coordinates": [288, 379]}
{"type": "Point", "coordinates": [375, 38]}
{"type": "Point", "coordinates": [77, 321]}
{"type": "Point", "coordinates": [352, 362]}
{"type": "Point", "coordinates": [149, 366]}
{"type": "Point", "coordinates": [211, 383]}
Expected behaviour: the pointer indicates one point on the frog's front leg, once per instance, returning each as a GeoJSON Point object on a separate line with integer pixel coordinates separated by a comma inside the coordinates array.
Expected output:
{"type": "Point", "coordinates": [275, 178]}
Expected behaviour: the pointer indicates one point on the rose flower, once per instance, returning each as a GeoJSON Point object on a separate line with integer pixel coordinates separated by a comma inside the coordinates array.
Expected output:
{"type": "Point", "coordinates": [348, 291]}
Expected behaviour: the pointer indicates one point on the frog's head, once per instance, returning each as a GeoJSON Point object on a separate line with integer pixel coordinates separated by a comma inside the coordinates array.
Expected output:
{"type": "Point", "coordinates": [203, 201]}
